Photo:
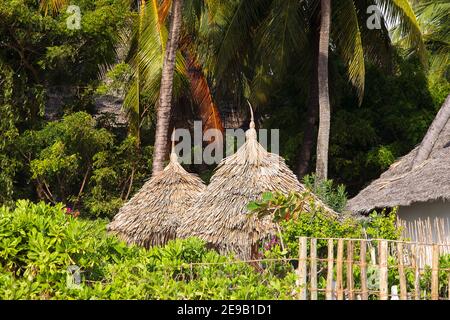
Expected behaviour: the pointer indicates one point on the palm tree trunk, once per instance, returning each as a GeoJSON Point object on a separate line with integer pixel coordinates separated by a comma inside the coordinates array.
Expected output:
{"type": "Point", "coordinates": [433, 132]}
{"type": "Point", "coordinates": [165, 93]}
{"type": "Point", "coordinates": [324, 98]}
{"type": "Point", "coordinates": [312, 114]}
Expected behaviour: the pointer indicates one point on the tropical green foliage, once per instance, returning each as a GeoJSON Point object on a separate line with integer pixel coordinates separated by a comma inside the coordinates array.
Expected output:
{"type": "Point", "coordinates": [432, 19]}
{"type": "Point", "coordinates": [365, 140]}
{"type": "Point", "coordinates": [244, 51]}
{"type": "Point", "coordinates": [39, 243]}
{"type": "Point", "coordinates": [39, 56]}
{"type": "Point", "coordinates": [333, 196]}
{"type": "Point", "coordinates": [75, 162]}
{"type": "Point", "coordinates": [290, 211]}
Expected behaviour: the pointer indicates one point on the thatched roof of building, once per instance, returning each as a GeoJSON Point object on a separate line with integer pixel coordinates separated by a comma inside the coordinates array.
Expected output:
{"type": "Point", "coordinates": [151, 217]}
{"type": "Point", "coordinates": [220, 215]}
{"type": "Point", "coordinates": [403, 184]}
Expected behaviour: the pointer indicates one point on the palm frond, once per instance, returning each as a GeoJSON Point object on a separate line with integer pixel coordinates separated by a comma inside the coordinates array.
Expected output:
{"type": "Point", "coordinates": [377, 43]}
{"type": "Point", "coordinates": [146, 59]}
{"type": "Point", "coordinates": [163, 10]}
{"type": "Point", "coordinates": [433, 20]}
{"type": "Point", "coordinates": [283, 34]}
{"type": "Point", "coordinates": [399, 13]}
{"type": "Point", "coordinates": [202, 95]}
{"type": "Point", "coordinates": [241, 20]}
{"type": "Point", "coordinates": [52, 6]}
{"type": "Point", "coordinates": [347, 37]}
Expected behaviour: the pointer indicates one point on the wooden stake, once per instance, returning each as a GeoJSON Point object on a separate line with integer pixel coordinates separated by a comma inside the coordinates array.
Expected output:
{"type": "Point", "coordinates": [416, 272]}
{"type": "Point", "coordinates": [302, 252]}
{"type": "Point", "coordinates": [329, 289]}
{"type": "Point", "coordinates": [313, 276]}
{"type": "Point", "coordinates": [384, 295]}
{"type": "Point", "coordinates": [435, 273]}
{"type": "Point", "coordinates": [363, 266]}
{"type": "Point", "coordinates": [351, 295]}
{"type": "Point", "coordinates": [401, 272]}
{"type": "Point", "coordinates": [339, 265]}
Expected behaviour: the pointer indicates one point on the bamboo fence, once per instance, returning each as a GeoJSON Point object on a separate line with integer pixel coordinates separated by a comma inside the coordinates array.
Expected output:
{"type": "Point", "coordinates": [426, 230]}
{"type": "Point", "coordinates": [349, 269]}
{"type": "Point", "coordinates": [374, 259]}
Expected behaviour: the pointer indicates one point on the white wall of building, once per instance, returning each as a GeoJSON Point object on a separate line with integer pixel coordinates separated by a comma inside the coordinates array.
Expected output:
{"type": "Point", "coordinates": [427, 213]}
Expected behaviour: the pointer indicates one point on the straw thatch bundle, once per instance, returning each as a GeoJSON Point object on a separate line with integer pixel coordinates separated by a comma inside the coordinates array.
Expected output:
{"type": "Point", "coordinates": [151, 217]}
{"type": "Point", "coordinates": [220, 215]}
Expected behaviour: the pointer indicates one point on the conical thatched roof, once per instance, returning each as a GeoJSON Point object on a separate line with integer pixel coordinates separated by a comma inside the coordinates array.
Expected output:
{"type": "Point", "coordinates": [403, 184]}
{"type": "Point", "coordinates": [151, 217]}
{"type": "Point", "coordinates": [220, 215]}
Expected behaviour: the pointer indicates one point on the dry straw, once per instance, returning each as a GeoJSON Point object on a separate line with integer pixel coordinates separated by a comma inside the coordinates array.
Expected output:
{"type": "Point", "coordinates": [151, 217]}
{"type": "Point", "coordinates": [220, 215]}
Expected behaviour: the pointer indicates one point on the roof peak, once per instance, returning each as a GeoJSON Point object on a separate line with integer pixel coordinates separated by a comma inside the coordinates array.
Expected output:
{"type": "Point", "coordinates": [251, 132]}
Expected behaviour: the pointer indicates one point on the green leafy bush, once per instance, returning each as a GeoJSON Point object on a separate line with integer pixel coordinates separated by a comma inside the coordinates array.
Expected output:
{"type": "Point", "coordinates": [39, 242]}
{"type": "Point", "coordinates": [75, 162]}
{"type": "Point", "coordinates": [334, 196]}
{"type": "Point", "coordinates": [289, 211]}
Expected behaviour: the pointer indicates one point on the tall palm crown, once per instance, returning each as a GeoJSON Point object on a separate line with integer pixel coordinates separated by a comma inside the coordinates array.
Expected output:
{"type": "Point", "coordinates": [432, 17]}
{"type": "Point", "coordinates": [277, 31]}
{"type": "Point", "coordinates": [148, 40]}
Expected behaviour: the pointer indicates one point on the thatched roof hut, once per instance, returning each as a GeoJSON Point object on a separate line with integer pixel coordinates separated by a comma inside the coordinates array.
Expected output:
{"type": "Point", "coordinates": [220, 215]}
{"type": "Point", "coordinates": [151, 217]}
{"type": "Point", "coordinates": [420, 188]}
{"type": "Point", "coordinates": [403, 184]}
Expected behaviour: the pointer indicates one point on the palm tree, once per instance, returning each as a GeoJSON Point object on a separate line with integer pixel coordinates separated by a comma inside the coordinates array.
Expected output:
{"type": "Point", "coordinates": [253, 43]}
{"type": "Point", "coordinates": [433, 20]}
{"type": "Point", "coordinates": [324, 98]}
{"type": "Point", "coordinates": [269, 34]}
{"type": "Point", "coordinates": [432, 16]}
{"type": "Point", "coordinates": [146, 57]}
{"type": "Point", "coordinates": [399, 11]}
{"type": "Point", "coordinates": [166, 88]}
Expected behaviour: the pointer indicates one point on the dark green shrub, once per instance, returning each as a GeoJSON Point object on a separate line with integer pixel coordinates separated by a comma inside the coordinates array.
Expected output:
{"type": "Point", "coordinates": [334, 196]}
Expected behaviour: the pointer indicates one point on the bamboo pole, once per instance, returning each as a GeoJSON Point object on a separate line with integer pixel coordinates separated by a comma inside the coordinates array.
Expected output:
{"type": "Point", "coordinates": [351, 295]}
{"type": "Point", "coordinates": [401, 272]}
{"type": "Point", "coordinates": [302, 252]}
{"type": "Point", "coordinates": [339, 265]}
{"type": "Point", "coordinates": [313, 277]}
{"type": "Point", "coordinates": [435, 273]}
{"type": "Point", "coordinates": [383, 270]}
{"type": "Point", "coordinates": [416, 273]}
{"type": "Point", "coordinates": [329, 289]}
{"type": "Point", "coordinates": [363, 266]}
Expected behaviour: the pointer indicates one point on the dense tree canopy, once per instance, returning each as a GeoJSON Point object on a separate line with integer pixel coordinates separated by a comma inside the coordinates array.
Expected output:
{"type": "Point", "coordinates": [55, 146]}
